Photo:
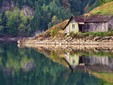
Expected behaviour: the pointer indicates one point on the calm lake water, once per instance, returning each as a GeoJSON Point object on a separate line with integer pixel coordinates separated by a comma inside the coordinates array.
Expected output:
{"type": "Point", "coordinates": [39, 66]}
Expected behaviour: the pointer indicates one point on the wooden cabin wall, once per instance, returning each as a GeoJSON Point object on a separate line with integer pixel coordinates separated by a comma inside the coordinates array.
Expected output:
{"type": "Point", "coordinates": [110, 25]}
{"type": "Point", "coordinates": [69, 27]}
{"type": "Point", "coordinates": [103, 61]}
{"type": "Point", "coordinates": [95, 27]}
{"type": "Point", "coordinates": [73, 60]}
{"type": "Point", "coordinates": [89, 27]}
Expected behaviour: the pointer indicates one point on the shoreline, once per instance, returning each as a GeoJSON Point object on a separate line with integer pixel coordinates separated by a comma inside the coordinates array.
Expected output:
{"type": "Point", "coordinates": [10, 38]}
{"type": "Point", "coordinates": [98, 41]}
{"type": "Point", "coordinates": [36, 43]}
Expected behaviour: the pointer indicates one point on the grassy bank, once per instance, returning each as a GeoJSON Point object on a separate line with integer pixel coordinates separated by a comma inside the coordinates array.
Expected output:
{"type": "Point", "coordinates": [58, 33]}
{"type": "Point", "coordinates": [92, 34]}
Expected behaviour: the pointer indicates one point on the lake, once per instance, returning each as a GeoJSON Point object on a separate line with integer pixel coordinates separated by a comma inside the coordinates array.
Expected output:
{"type": "Point", "coordinates": [54, 66]}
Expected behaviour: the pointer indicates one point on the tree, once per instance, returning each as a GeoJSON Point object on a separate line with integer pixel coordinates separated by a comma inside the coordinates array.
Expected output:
{"type": "Point", "coordinates": [100, 2]}
{"type": "Point", "coordinates": [3, 19]}
{"type": "Point", "coordinates": [66, 4]}
{"type": "Point", "coordinates": [13, 21]}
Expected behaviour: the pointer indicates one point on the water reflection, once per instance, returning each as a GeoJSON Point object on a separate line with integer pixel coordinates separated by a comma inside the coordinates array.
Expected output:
{"type": "Point", "coordinates": [94, 63]}
{"type": "Point", "coordinates": [26, 66]}
{"type": "Point", "coordinates": [96, 59]}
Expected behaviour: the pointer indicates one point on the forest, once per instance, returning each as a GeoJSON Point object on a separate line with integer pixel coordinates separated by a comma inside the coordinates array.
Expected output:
{"type": "Point", "coordinates": [14, 23]}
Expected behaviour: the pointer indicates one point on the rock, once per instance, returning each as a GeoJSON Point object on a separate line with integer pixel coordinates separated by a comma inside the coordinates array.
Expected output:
{"type": "Point", "coordinates": [97, 38]}
{"type": "Point", "coordinates": [110, 40]}
{"type": "Point", "coordinates": [7, 5]}
{"type": "Point", "coordinates": [106, 38]}
{"type": "Point", "coordinates": [28, 11]}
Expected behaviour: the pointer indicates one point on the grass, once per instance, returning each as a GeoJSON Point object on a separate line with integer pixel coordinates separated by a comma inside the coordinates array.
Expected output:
{"type": "Point", "coordinates": [56, 30]}
{"type": "Point", "coordinates": [106, 9]}
{"type": "Point", "coordinates": [91, 34]}
{"type": "Point", "coordinates": [109, 33]}
{"type": "Point", "coordinates": [59, 26]}
{"type": "Point", "coordinates": [58, 34]}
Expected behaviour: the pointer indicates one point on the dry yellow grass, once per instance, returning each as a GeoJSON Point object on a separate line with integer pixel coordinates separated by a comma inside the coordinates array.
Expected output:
{"type": "Point", "coordinates": [57, 28]}
{"type": "Point", "coordinates": [60, 25]}
{"type": "Point", "coordinates": [106, 9]}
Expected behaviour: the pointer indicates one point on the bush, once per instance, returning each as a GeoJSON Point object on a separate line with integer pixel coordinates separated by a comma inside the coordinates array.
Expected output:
{"type": "Point", "coordinates": [54, 32]}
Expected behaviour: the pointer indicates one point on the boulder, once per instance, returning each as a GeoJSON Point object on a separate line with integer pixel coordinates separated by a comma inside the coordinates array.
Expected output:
{"type": "Point", "coordinates": [97, 38]}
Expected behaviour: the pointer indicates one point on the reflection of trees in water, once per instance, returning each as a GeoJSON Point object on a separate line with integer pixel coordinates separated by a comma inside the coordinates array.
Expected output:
{"type": "Point", "coordinates": [92, 58]}
{"type": "Point", "coordinates": [90, 66]}
{"type": "Point", "coordinates": [12, 58]}
{"type": "Point", "coordinates": [46, 72]}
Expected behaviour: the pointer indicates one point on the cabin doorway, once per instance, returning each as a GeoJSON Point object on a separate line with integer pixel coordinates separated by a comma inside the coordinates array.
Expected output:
{"type": "Point", "coordinates": [81, 28]}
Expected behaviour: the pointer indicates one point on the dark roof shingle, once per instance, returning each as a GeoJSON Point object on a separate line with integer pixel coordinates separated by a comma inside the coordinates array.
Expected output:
{"type": "Point", "coordinates": [97, 18]}
{"type": "Point", "coordinates": [94, 18]}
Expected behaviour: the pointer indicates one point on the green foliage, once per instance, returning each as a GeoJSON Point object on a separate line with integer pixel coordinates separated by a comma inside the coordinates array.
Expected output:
{"type": "Point", "coordinates": [54, 21]}
{"type": "Point", "coordinates": [54, 32]}
{"type": "Point", "coordinates": [24, 60]}
{"type": "Point", "coordinates": [45, 69]}
{"type": "Point", "coordinates": [53, 55]}
{"type": "Point", "coordinates": [91, 34]}
{"type": "Point", "coordinates": [101, 2]}
{"type": "Point", "coordinates": [13, 57]}
{"type": "Point", "coordinates": [14, 23]}
{"type": "Point", "coordinates": [47, 14]}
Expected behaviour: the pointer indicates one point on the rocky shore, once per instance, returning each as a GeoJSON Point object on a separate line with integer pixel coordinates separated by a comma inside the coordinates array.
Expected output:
{"type": "Point", "coordinates": [96, 41]}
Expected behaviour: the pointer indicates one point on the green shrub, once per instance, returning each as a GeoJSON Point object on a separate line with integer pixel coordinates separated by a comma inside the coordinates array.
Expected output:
{"type": "Point", "coordinates": [54, 32]}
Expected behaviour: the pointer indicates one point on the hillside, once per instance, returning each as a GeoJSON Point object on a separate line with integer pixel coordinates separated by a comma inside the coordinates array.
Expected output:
{"type": "Point", "coordinates": [56, 30]}
{"type": "Point", "coordinates": [105, 9]}
{"type": "Point", "coordinates": [45, 14]}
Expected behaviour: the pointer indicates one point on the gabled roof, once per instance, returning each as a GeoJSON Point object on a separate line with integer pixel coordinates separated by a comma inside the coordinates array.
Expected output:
{"type": "Point", "coordinates": [77, 19]}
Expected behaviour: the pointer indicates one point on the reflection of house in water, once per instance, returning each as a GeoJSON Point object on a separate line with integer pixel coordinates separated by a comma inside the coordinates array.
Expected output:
{"type": "Point", "coordinates": [72, 60]}
{"type": "Point", "coordinates": [94, 63]}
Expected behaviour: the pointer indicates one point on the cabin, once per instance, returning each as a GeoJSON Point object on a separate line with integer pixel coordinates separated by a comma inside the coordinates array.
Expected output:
{"type": "Point", "coordinates": [95, 23]}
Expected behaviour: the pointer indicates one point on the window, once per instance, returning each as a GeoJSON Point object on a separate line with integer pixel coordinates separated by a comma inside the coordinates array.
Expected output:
{"type": "Point", "coordinates": [73, 26]}
{"type": "Point", "coordinates": [73, 61]}
{"type": "Point", "coordinates": [109, 27]}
